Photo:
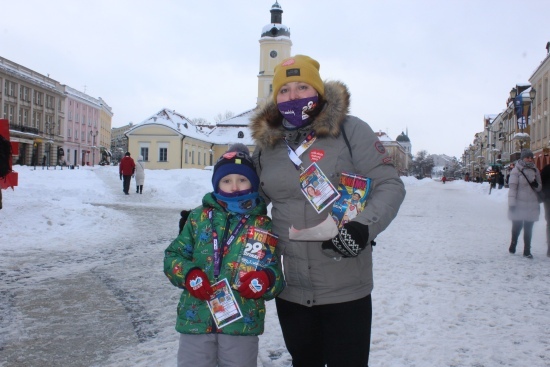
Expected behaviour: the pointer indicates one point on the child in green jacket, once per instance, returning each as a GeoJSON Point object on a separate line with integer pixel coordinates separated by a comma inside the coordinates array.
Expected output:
{"type": "Point", "coordinates": [206, 252]}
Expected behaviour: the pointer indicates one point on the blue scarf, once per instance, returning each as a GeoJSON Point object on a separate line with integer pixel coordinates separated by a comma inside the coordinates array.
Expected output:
{"type": "Point", "coordinates": [240, 203]}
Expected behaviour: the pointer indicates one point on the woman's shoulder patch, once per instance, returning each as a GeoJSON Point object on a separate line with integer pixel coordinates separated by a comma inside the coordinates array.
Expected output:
{"type": "Point", "coordinates": [380, 147]}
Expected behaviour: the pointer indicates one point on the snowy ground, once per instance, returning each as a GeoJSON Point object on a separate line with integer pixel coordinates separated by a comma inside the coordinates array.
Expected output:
{"type": "Point", "coordinates": [81, 280]}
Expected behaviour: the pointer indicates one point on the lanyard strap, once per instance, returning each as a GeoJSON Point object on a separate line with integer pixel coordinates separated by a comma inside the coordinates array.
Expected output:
{"type": "Point", "coordinates": [217, 250]}
{"type": "Point", "coordinates": [294, 155]}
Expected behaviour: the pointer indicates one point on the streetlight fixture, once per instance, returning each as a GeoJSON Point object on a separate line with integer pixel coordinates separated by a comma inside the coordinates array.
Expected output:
{"type": "Point", "coordinates": [522, 110]}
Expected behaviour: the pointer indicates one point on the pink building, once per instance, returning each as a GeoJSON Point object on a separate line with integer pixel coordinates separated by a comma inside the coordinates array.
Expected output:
{"type": "Point", "coordinates": [82, 128]}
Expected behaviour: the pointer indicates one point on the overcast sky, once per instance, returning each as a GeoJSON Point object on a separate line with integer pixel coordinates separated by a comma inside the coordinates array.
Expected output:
{"type": "Point", "coordinates": [434, 67]}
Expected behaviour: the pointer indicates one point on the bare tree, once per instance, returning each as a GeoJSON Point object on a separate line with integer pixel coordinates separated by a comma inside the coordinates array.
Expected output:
{"type": "Point", "coordinates": [221, 117]}
{"type": "Point", "coordinates": [199, 121]}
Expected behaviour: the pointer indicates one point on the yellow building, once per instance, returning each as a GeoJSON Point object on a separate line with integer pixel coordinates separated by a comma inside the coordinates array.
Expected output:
{"type": "Point", "coordinates": [169, 140]}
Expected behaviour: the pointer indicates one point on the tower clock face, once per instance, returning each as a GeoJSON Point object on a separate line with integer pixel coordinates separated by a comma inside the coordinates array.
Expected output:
{"type": "Point", "coordinates": [273, 54]}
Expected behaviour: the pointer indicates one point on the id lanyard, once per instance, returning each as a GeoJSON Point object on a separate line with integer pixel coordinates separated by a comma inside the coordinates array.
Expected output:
{"type": "Point", "coordinates": [294, 155]}
{"type": "Point", "coordinates": [217, 250]}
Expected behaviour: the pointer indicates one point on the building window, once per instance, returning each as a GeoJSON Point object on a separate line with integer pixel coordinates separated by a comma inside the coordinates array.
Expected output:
{"type": "Point", "coordinates": [24, 116]}
{"type": "Point", "coordinates": [199, 157]}
{"type": "Point", "coordinates": [186, 154]}
{"type": "Point", "coordinates": [68, 133]}
{"type": "Point", "coordinates": [240, 135]}
{"type": "Point", "coordinates": [37, 98]}
{"type": "Point", "coordinates": [163, 154]}
{"type": "Point", "coordinates": [144, 152]}
{"type": "Point", "coordinates": [9, 110]}
{"type": "Point", "coordinates": [49, 101]}
{"type": "Point", "coordinates": [24, 93]}
{"type": "Point", "coordinates": [36, 117]}
{"type": "Point", "coordinates": [9, 88]}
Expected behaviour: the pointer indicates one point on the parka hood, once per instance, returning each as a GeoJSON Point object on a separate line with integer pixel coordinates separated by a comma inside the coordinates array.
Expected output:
{"type": "Point", "coordinates": [266, 124]}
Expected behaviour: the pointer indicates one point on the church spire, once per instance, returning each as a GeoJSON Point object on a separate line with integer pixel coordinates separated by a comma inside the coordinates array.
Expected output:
{"type": "Point", "coordinates": [276, 13]}
{"type": "Point", "coordinates": [275, 45]}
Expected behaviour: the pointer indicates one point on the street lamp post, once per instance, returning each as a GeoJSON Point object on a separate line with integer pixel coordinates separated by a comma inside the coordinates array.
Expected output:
{"type": "Point", "coordinates": [50, 127]}
{"type": "Point", "coordinates": [93, 145]}
{"type": "Point", "coordinates": [493, 140]}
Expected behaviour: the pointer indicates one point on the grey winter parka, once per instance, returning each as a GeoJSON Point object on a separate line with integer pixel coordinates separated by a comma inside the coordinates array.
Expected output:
{"type": "Point", "coordinates": [312, 277]}
{"type": "Point", "coordinates": [522, 200]}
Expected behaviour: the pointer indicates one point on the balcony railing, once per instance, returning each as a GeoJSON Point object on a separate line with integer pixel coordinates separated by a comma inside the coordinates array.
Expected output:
{"type": "Point", "coordinates": [25, 129]}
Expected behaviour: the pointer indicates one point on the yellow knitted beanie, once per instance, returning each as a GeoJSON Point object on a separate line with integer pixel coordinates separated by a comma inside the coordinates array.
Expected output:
{"type": "Point", "coordinates": [299, 68]}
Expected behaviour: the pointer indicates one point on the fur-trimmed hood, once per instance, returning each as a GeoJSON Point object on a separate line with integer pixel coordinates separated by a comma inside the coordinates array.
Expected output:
{"type": "Point", "coordinates": [267, 129]}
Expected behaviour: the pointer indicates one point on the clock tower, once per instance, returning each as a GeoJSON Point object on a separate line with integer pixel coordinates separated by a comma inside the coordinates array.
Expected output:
{"type": "Point", "coordinates": [275, 46]}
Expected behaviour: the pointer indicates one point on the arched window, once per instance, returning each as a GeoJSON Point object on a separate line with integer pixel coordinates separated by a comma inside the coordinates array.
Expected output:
{"type": "Point", "coordinates": [241, 135]}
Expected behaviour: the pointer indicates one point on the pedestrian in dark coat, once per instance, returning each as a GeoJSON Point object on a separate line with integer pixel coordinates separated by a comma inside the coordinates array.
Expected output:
{"type": "Point", "coordinates": [126, 170]}
{"type": "Point", "coordinates": [545, 177]}
{"type": "Point", "coordinates": [500, 180]}
{"type": "Point", "coordinates": [523, 205]}
{"type": "Point", "coordinates": [325, 310]}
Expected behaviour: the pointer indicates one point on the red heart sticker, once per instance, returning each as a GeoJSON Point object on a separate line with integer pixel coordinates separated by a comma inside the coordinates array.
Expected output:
{"type": "Point", "coordinates": [316, 155]}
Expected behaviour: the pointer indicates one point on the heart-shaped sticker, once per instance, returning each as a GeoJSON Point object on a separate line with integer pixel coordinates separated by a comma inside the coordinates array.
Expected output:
{"type": "Point", "coordinates": [316, 155]}
{"type": "Point", "coordinates": [196, 283]}
{"type": "Point", "coordinates": [255, 285]}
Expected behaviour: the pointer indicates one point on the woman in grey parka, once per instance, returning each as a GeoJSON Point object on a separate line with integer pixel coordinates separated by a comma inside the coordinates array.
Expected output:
{"type": "Point", "coordinates": [325, 310]}
{"type": "Point", "coordinates": [523, 205]}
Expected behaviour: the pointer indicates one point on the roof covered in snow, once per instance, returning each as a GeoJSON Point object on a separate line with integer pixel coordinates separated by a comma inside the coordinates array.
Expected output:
{"type": "Point", "coordinates": [232, 130]}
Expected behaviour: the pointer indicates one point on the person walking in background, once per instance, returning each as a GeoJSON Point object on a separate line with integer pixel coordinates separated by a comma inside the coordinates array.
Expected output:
{"type": "Point", "coordinates": [140, 175]}
{"type": "Point", "coordinates": [126, 169]}
{"type": "Point", "coordinates": [545, 177]}
{"type": "Point", "coordinates": [206, 251]}
{"type": "Point", "coordinates": [325, 311]}
{"type": "Point", "coordinates": [444, 179]}
{"type": "Point", "coordinates": [523, 205]}
{"type": "Point", "coordinates": [500, 179]}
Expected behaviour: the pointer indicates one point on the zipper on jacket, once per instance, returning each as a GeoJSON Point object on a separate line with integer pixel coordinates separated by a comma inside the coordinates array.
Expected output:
{"type": "Point", "coordinates": [221, 249]}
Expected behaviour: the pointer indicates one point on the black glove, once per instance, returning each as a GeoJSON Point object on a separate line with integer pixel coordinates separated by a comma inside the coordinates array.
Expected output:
{"type": "Point", "coordinates": [121, 176]}
{"type": "Point", "coordinates": [350, 240]}
{"type": "Point", "coordinates": [534, 184]}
